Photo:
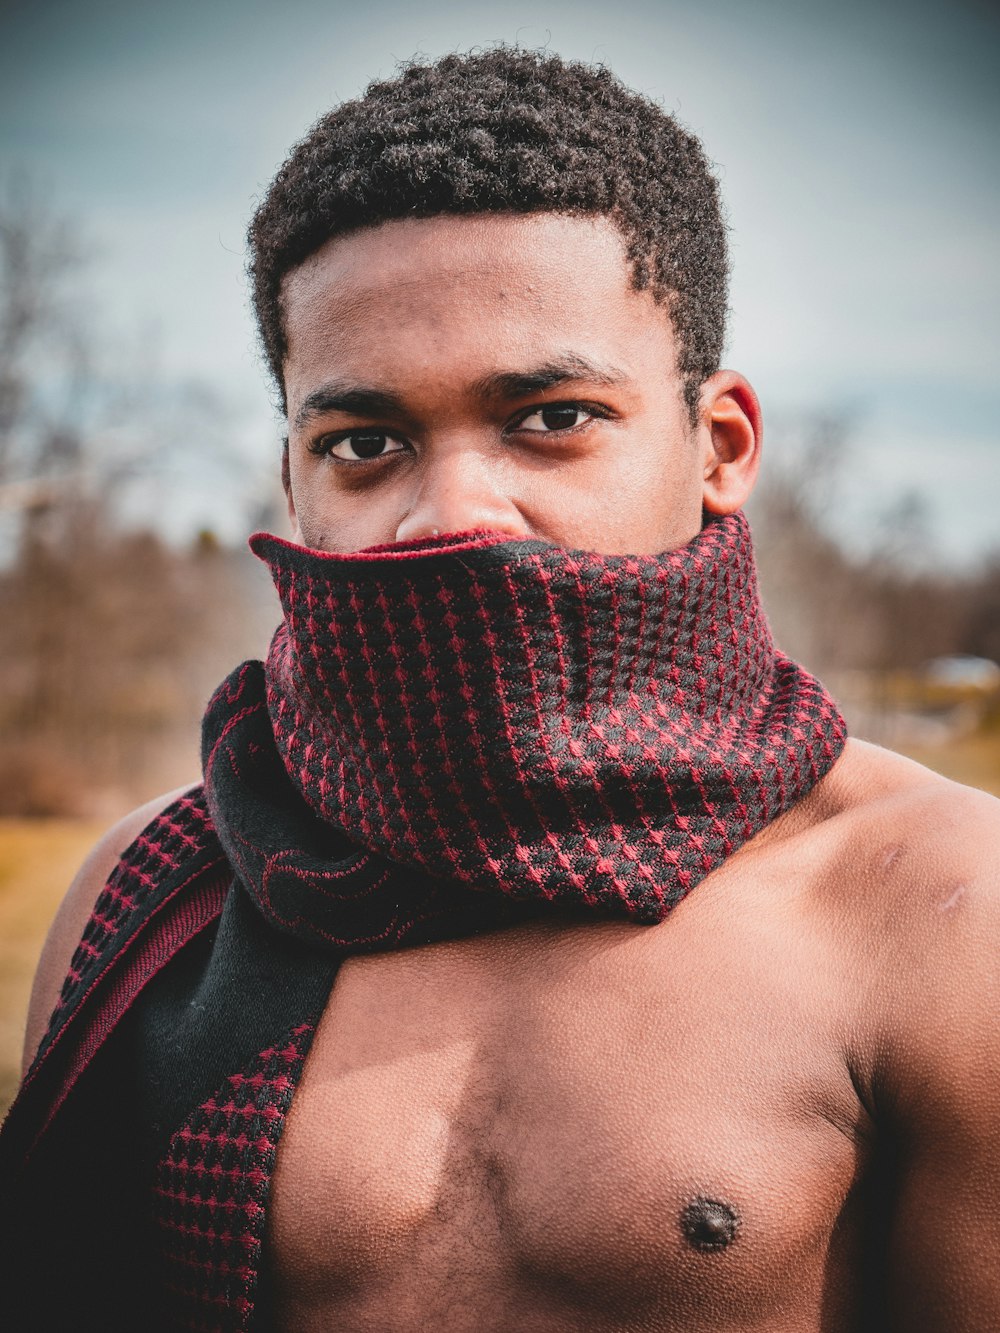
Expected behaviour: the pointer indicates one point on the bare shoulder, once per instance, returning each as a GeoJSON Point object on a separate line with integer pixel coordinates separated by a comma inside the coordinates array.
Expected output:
{"type": "Point", "coordinates": [896, 814]}
{"type": "Point", "coordinates": [74, 912]}
{"type": "Point", "coordinates": [900, 867]}
{"type": "Point", "coordinates": [910, 880]}
{"type": "Point", "coordinates": [883, 813]}
{"type": "Point", "coordinates": [936, 850]}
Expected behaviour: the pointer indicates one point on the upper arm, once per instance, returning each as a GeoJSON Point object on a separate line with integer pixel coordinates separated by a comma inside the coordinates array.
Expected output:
{"type": "Point", "coordinates": [944, 1091]}
{"type": "Point", "coordinates": [74, 912]}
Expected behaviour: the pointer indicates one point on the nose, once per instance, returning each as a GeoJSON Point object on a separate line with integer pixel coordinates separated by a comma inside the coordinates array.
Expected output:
{"type": "Point", "coordinates": [460, 490]}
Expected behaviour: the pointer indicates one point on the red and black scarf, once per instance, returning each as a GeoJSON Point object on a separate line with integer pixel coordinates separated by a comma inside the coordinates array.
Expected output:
{"type": "Point", "coordinates": [447, 736]}
{"type": "Point", "coordinates": [488, 720]}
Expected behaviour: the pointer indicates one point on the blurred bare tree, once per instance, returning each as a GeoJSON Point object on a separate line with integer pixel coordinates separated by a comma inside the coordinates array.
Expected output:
{"type": "Point", "coordinates": [42, 355]}
{"type": "Point", "coordinates": [111, 639]}
{"type": "Point", "coordinates": [810, 583]}
{"type": "Point", "coordinates": [868, 618]}
{"type": "Point", "coordinates": [981, 610]}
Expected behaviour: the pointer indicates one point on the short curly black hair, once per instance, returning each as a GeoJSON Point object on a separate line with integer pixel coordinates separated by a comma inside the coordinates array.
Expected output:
{"type": "Point", "coordinates": [507, 131]}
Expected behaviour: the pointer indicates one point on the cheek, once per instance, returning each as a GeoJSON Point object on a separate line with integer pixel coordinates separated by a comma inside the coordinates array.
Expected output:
{"type": "Point", "coordinates": [655, 502]}
{"type": "Point", "coordinates": [631, 501]}
{"type": "Point", "coordinates": [330, 519]}
{"type": "Point", "coordinates": [315, 517]}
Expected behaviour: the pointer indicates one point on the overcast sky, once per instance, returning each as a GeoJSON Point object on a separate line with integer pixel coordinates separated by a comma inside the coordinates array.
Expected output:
{"type": "Point", "coordinates": [856, 144]}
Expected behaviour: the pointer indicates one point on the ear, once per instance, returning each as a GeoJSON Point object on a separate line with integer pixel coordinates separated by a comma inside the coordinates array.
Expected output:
{"type": "Point", "coordinates": [731, 433]}
{"type": "Point", "coordinates": [286, 486]}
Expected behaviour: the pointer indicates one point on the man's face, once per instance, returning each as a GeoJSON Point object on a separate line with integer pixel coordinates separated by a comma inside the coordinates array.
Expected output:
{"type": "Point", "coordinates": [492, 372]}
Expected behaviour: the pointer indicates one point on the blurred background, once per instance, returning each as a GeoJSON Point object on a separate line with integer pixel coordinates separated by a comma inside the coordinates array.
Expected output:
{"type": "Point", "coordinates": [139, 443]}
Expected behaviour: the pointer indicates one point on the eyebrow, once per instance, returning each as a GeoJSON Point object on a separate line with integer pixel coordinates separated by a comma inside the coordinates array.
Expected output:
{"type": "Point", "coordinates": [357, 400]}
{"type": "Point", "coordinates": [366, 401]}
{"type": "Point", "coordinates": [550, 374]}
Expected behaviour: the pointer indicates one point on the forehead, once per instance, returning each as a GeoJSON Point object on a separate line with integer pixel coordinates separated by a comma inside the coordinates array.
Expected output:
{"type": "Point", "coordinates": [545, 246]}
{"type": "Point", "coordinates": [468, 291]}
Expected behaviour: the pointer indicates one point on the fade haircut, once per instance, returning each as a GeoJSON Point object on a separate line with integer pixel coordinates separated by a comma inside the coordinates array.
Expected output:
{"type": "Point", "coordinates": [507, 131]}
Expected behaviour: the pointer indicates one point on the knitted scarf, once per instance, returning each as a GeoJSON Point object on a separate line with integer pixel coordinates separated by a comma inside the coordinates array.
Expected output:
{"type": "Point", "coordinates": [446, 736]}
{"type": "Point", "coordinates": [475, 721]}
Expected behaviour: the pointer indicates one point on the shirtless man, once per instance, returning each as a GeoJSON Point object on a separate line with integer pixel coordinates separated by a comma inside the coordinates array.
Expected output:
{"type": "Point", "coordinates": [777, 1110]}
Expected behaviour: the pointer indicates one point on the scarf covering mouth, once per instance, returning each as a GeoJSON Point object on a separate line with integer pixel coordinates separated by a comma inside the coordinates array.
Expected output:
{"type": "Point", "coordinates": [447, 725]}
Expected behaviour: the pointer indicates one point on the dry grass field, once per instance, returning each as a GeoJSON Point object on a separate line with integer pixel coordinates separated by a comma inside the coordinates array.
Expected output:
{"type": "Point", "coordinates": [38, 858]}
{"type": "Point", "coordinates": [974, 760]}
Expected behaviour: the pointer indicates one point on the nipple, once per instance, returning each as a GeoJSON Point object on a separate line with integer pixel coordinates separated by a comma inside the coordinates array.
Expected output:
{"type": "Point", "coordinates": [709, 1224]}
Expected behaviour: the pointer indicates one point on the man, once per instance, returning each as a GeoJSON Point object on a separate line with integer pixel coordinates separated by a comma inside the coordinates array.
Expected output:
{"type": "Point", "coordinates": [695, 1023]}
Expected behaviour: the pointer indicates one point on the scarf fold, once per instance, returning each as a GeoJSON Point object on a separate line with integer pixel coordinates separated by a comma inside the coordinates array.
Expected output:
{"type": "Point", "coordinates": [446, 728]}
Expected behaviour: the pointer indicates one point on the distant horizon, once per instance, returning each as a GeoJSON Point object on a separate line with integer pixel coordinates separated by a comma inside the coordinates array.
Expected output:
{"type": "Point", "coordinates": [855, 148]}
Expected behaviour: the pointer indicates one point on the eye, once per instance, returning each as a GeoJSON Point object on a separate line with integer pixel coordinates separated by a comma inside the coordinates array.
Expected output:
{"type": "Point", "coordinates": [557, 417]}
{"type": "Point", "coordinates": [359, 446]}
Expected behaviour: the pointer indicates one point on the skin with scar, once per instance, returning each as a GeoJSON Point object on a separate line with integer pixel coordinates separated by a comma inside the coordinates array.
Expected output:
{"type": "Point", "coordinates": [776, 1110]}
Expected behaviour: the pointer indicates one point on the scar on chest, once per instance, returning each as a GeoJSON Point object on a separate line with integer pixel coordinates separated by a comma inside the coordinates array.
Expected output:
{"type": "Point", "coordinates": [709, 1224]}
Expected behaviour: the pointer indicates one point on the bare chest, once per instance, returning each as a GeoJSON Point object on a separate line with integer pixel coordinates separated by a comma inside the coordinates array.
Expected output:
{"type": "Point", "coordinates": [590, 1128]}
